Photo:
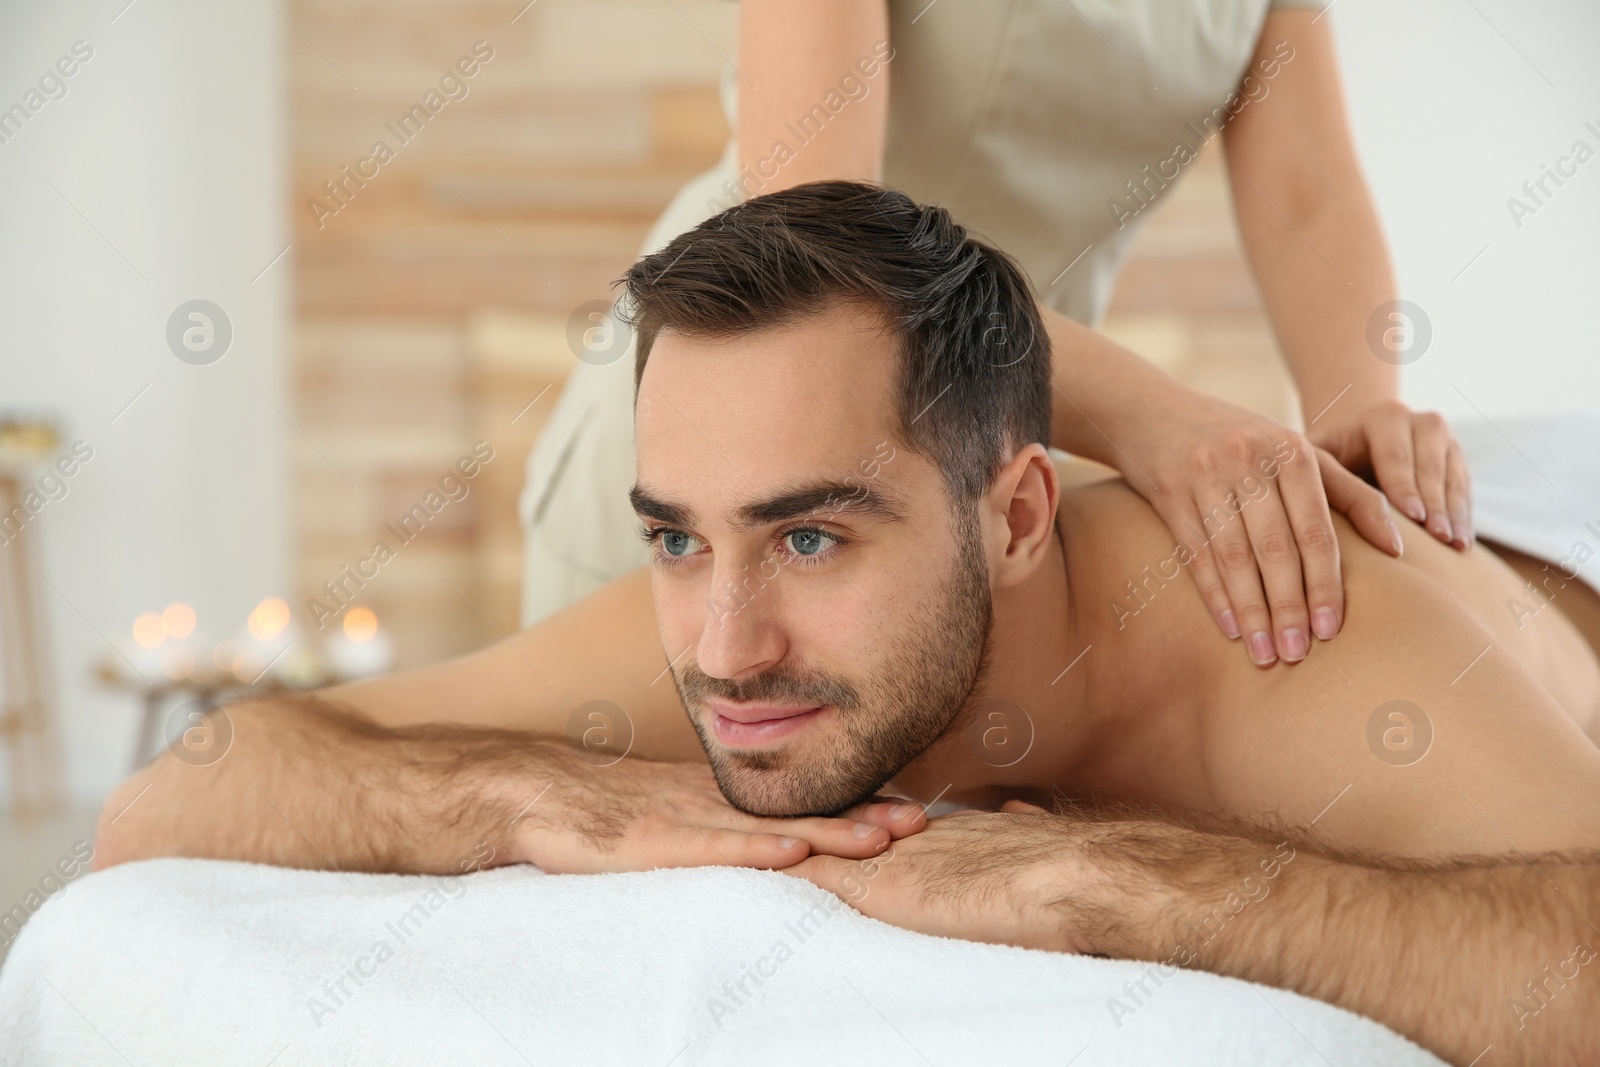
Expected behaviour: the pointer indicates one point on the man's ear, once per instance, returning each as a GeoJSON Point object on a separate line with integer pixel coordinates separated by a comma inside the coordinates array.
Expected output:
{"type": "Point", "coordinates": [1023, 500]}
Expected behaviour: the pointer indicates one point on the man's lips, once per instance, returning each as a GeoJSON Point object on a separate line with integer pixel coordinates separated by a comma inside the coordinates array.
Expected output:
{"type": "Point", "coordinates": [748, 713]}
{"type": "Point", "coordinates": [746, 725]}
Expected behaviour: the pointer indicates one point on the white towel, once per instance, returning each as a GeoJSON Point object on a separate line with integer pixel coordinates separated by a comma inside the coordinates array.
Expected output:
{"type": "Point", "coordinates": [1536, 487]}
{"type": "Point", "coordinates": [193, 961]}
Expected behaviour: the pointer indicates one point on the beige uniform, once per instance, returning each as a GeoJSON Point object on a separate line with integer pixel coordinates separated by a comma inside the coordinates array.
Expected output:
{"type": "Point", "coordinates": [1047, 128]}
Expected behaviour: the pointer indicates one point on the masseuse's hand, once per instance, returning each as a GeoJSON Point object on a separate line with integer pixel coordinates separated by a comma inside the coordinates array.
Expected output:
{"type": "Point", "coordinates": [1415, 459]}
{"type": "Point", "coordinates": [638, 815]}
{"type": "Point", "coordinates": [1250, 499]}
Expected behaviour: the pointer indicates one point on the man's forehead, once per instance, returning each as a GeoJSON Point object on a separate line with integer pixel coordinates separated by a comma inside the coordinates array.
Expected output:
{"type": "Point", "coordinates": [754, 423]}
{"type": "Point", "coordinates": [832, 368]}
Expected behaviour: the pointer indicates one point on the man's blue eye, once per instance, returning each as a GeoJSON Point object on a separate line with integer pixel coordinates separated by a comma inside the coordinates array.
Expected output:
{"type": "Point", "coordinates": [808, 542]}
{"type": "Point", "coordinates": [676, 542]}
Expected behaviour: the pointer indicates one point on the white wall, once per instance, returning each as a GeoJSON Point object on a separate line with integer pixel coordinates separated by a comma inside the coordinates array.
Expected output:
{"type": "Point", "coordinates": [169, 142]}
{"type": "Point", "coordinates": [1455, 104]}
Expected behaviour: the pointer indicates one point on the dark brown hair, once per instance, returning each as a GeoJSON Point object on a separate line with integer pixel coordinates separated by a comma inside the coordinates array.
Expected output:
{"type": "Point", "coordinates": [974, 355]}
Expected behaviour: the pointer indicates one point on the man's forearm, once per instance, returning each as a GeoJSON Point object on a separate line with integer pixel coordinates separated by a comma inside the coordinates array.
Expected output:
{"type": "Point", "coordinates": [303, 783]}
{"type": "Point", "coordinates": [1458, 955]}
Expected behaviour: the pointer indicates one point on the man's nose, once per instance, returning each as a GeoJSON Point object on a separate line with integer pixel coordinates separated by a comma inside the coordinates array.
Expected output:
{"type": "Point", "coordinates": [741, 634]}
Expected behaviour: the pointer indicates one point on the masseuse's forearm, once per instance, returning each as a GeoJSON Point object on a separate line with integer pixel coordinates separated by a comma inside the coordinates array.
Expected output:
{"type": "Point", "coordinates": [305, 784]}
{"type": "Point", "coordinates": [1458, 956]}
{"type": "Point", "coordinates": [1306, 217]}
{"type": "Point", "coordinates": [796, 59]}
{"type": "Point", "coordinates": [1104, 397]}
{"type": "Point", "coordinates": [1323, 271]}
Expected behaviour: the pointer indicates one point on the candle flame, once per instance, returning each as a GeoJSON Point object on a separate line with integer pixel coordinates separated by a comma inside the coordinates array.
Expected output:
{"type": "Point", "coordinates": [269, 619]}
{"type": "Point", "coordinates": [148, 631]}
{"type": "Point", "coordinates": [360, 625]}
{"type": "Point", "coordinates": [178, 620]}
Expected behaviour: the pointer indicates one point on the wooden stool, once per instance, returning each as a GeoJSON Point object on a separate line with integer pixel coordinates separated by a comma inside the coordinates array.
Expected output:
{"type": "Point", "coordinates": [27, 686]}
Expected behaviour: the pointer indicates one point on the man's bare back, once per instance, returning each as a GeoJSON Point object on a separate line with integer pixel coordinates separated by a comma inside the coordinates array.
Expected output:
{"type": "Point", "coordinates": [1201, 729]}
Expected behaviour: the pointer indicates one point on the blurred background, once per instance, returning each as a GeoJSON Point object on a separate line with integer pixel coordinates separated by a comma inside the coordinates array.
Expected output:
{"type": "Point", "coordinates": [228, 458]}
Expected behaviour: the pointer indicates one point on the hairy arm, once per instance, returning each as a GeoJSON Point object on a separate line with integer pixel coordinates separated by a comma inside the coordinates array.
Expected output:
{"type": "Point", "coordinates": [302, 782]}
{"type": "Point", "coordinates": [1461, 955]}
{"type": "Point", "coordinates": [396, 773]}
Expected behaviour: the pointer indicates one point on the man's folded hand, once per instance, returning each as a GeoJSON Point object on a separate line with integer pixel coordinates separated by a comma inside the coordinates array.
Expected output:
{"type": "Point", "coordinates": [640, 815]}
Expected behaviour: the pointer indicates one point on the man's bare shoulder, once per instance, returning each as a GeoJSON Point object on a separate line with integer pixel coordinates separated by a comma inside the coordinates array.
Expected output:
{"type": "Point", "coordinates": [594, 671]}
{"type": "Point", "coordinates": [1416, 730]}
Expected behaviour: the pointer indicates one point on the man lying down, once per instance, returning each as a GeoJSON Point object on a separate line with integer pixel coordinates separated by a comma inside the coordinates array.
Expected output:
{"type": "Point", "coordinates": [869, 584]}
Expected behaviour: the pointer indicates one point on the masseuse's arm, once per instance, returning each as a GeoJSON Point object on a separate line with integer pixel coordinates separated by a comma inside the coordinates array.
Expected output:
{"type": "Point", "coordinates": [792, 56]}
{"type": "Point", "coordinates": [1272, 580]}
{"type": "Point", "coordinates": [469, 763]}
{"type": "Point", "coordinates": [1312, 236]}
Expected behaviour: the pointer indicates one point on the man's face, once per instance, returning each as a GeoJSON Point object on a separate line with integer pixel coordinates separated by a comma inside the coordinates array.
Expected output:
{"type": "Point", "coordinates": [826, 613]}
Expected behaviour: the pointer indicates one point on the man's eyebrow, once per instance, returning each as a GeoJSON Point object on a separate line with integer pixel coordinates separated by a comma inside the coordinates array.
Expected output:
{"type": "Point", "coordinates": [811, 499]}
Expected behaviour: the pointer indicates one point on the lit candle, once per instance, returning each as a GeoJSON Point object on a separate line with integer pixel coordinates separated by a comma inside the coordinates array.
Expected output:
{"type": "Point", "coordinates": [145, 651]}
{"type": "Point", "coordinates": [269, 634]}
{"type": "Point", "coordinates": [177, 656]}
{"type": "Point", "coordinates": [361, 648]}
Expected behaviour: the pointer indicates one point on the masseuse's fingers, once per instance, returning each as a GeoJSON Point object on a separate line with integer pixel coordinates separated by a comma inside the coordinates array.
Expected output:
{"type": "Point", "coordinates": [1306, 506]}
{"type": "Point", "coordinates": [1365, 507]}
{"type": "Point", "coordinates": [1203, 566]}
{"type": "Point", "coordinates": [1394, 460]}
{"type": "Point", "coordinates": [1282, 571]}
{"type": "Point", "coordinates": [1305, 502]}
{"type": "Point", "coordinates": [1242, 576]}
{"type": "Point", "coordinates": [1458, 496]}
{"type": "Point", "coordinates": [1431, 441]}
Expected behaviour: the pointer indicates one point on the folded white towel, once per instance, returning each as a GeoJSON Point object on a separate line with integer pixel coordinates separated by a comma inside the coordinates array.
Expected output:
{"type": "Point", "coordinates": [191, 961]}
{"type": "Point", "coordinates": [1536, 487]}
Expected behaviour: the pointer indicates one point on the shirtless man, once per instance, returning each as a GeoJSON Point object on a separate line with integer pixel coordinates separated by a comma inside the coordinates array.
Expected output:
{"type": "Point", "coordinates": [863, 589]}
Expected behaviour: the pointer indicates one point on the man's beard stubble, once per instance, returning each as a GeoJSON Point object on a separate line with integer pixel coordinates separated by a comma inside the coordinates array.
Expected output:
{"type": "Point", "coordinates": [937, 662]}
